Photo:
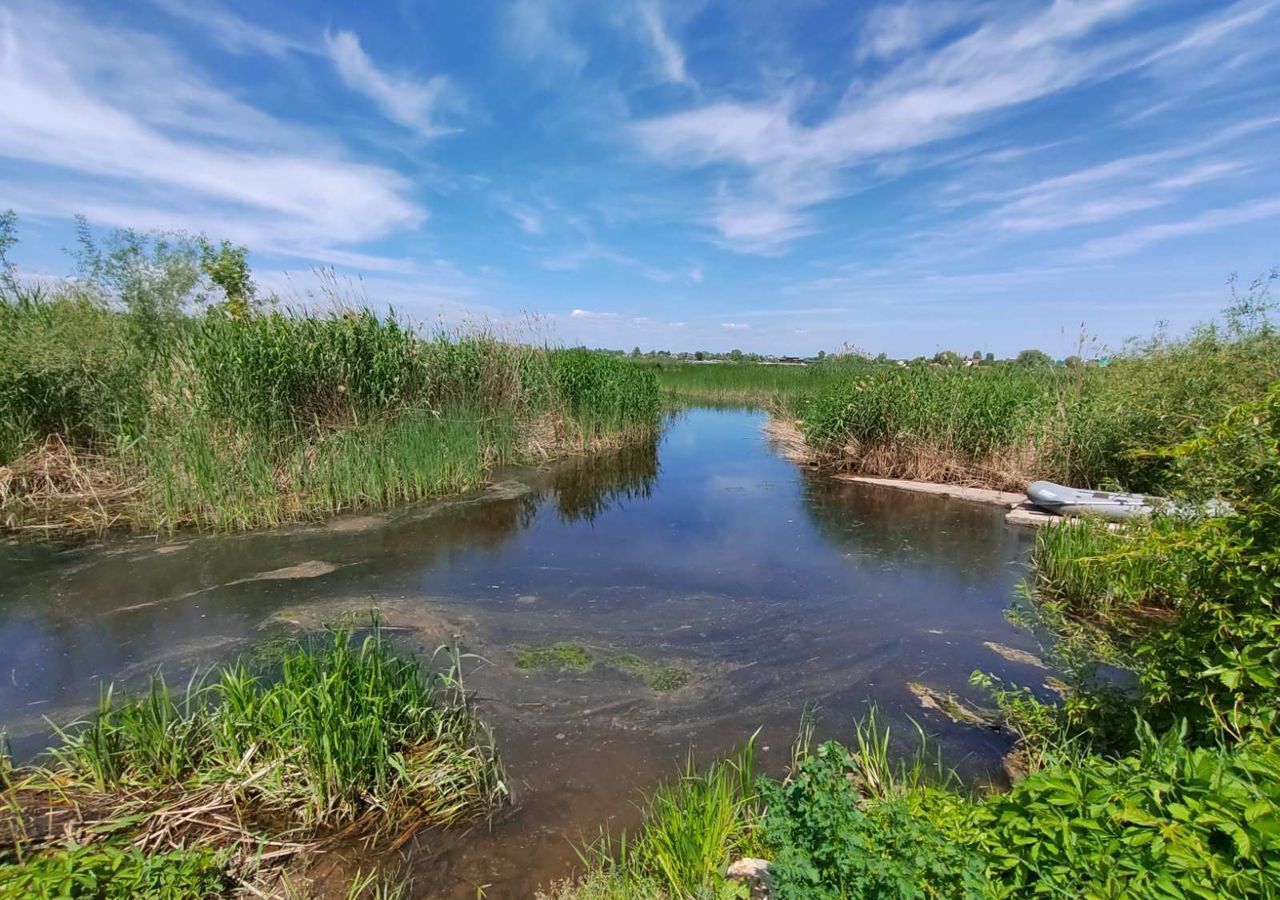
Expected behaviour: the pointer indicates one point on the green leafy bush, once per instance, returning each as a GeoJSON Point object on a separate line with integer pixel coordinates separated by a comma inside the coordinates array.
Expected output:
{"type": "Point", "coordinates": [1166, 822]}
{"type": "Point", "coordinates": [831, 841]}
{"type": "Point", "coordinates": [107, 872]}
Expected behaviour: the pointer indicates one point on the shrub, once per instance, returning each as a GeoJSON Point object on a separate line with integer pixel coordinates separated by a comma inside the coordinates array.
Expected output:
{"type": "Point", "coordinates": [108, 872]}
{"type": "Point", "coordinates": [1167, 822]}
{"type": "Point", "coordinates": [829, 840]}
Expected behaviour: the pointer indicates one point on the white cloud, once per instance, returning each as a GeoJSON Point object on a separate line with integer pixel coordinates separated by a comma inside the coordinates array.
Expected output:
{"type": "Point", "coordinates": [538, 29]}
{"type": "Point", "coordinates": [232, 32]}
{"type": "Point", "coordinates": [591, 314]}
{"type": "Point", "coordinates": [408, 101]}
{"type": "Point", "coordinates": [528, 221]}
{"type": "Point", "coordinates": [1213, 220]}
{"type": "Point", "coordinates": [734, 326]}
{"type": "Point", "coordinates": [695, 274]}
{"type": "Point", "coordinates": [778, 163]}
{"type": "Point", "coordinates": [1238, 16]}
{"type": "Point", "coordinates": [892, 29]}
{"type": "Point", "coordinates": [112, 119]}
{"type": "Point", "coordinates": [669, 56]}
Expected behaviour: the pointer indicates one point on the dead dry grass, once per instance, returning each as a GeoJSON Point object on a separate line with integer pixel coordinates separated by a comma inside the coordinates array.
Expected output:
{"type": "Point", "coordinates": [56, 488]}
{"type": "Point", "coordinates": [1009, 469]}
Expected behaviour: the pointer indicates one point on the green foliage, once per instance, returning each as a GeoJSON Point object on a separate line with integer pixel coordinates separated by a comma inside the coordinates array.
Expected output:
{"type": "Point", "coordinates": [156, 277]}
{"type": "Point", "coordinates": [936, 422]}
{"type": "Point", "coordinates": [276, 373]}
{"type": "Point", "coordinates": [1003, 425]}
{"type": "Point", "coordinates": [1032, 358]}
{"type": "Point", "coordinates": [604, 393]}
{"type": "Point", "coordinates": [833, 836]}
{"type": "Point", "coordinates": [693, 827]}
{"type": "Point", "coordinates": [562, 656]}
{"type": "Point", "coordinates": [227, 266]}
{"type": "Point", "coordinates": [66, 368]}
{"type": "Point", "coordinates": [1167, 822]}
{"type": "Point", "coordinates": [9, 286]}
{"type": "Point", "coordinates": [1192, 606]}
{"type": "Point", "coordinates": [762, 384]}
{"type": "Point", "coordinates": [576, 658]}
{"type": "Point", "coordinates": [108, 872]}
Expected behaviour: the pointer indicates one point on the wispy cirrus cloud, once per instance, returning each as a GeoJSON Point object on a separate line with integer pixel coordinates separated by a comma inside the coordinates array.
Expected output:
{"type": "Point", "coordinates": [114, 119]}
{"type": "Point", "coordinates": [412, 102]}
{"type": "Point", "coordinates": [233, 33]}
{"type": "Point", "coordinates": [776, 162]}
{"type": "Point", "coordinates": [539, 30]}
{"type": "Point", "coordinates": [668, 55]}
{"type": "Point", "coordinates": [1147, 235]}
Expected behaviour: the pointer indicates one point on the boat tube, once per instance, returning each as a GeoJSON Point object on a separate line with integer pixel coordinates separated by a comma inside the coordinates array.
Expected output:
{"type": "Point", "coordinates": [1068, 501]}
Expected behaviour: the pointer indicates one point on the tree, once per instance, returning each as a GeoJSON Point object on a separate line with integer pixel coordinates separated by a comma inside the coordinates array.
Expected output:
{"type": "Point", "coordinates": [735, 354]}
{"type": "Point", "coordinates": [989, 358]}
{"type": "Point", "coordinates": [8, 238]}
{"type": "Point", "coordinates": [1074, 362]}
{"type": "Point", "coordinates": [699, 356]}
{"type": "Point", "coordinates": [227, 266]}
{"type": "Point", "coordinates": [822, 354]}
{"type": "Point", "coordinates": [155, 276]}
{"type": "Point", "coordinates": [635, 351]}
{"type": "Point", "coordinates": [1033, 358]}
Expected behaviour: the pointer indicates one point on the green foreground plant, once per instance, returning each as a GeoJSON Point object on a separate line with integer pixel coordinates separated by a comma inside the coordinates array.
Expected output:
{"type": "Point", "coordinates": [244, 770]}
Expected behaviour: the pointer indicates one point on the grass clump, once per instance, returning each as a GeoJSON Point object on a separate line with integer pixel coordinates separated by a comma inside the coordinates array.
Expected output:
{"type": "Point", "coordinates": [251, 768]}
{"type": "Point", "coordinates": [660, 678]}
{"type": "Point", "coordinates": [576, 658]}
{"type": "Point", "coordinates": [693, 827]}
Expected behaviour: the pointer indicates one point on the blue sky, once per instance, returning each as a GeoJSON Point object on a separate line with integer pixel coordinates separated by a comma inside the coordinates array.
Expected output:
{"type": "Point", "coordinates": [777, 175]}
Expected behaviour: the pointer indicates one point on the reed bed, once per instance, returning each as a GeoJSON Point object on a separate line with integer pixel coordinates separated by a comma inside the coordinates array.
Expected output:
{"type": "Point", "coordinates": [237, 423]}
{"type": "Point", "coordinates": [1003, 425]}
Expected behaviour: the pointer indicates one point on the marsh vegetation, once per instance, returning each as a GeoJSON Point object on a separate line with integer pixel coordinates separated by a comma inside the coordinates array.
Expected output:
{"type": "Point", "coordinates": [155, 390]}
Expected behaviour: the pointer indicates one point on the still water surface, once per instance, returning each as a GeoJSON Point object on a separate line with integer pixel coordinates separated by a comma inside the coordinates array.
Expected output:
{"type": "Point", "coordinates": [772, 586]}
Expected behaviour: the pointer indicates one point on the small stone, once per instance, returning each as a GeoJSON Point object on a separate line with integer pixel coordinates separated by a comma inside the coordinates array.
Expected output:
{"type": "Point", "coordinates": [754, 872]}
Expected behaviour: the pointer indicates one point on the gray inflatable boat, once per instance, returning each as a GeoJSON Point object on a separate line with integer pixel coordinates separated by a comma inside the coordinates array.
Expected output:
{"type": "Point", "coordinates": [1067, 501]}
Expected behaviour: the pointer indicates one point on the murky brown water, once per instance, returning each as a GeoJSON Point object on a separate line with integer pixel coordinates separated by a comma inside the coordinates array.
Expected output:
{"type": "Point", "coordinates": [773, 587]}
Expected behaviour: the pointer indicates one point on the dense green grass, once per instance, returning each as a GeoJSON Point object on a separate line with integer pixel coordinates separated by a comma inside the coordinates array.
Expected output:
{"type": "Point", "coordinates": [757, 384]}
{"type": "Point", "coordinates": [275, 417]}
{"type": "Point", "coordinates": [1004, 425]}
{"type": "Point", "coordinates": [335, 733]}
